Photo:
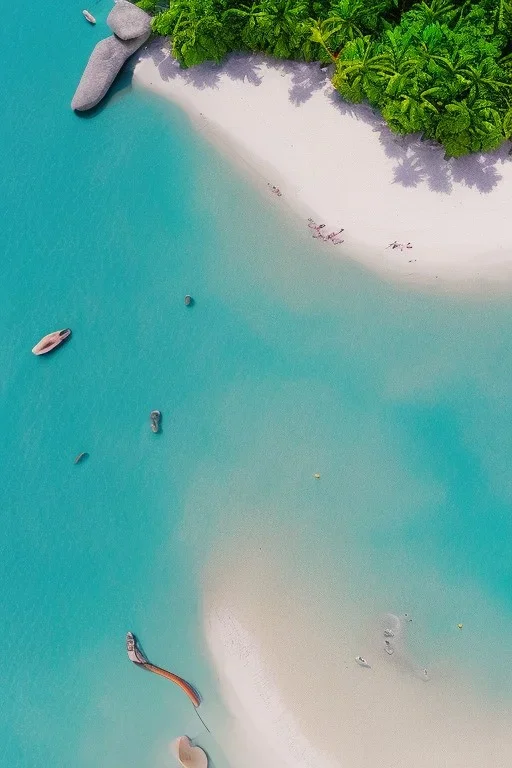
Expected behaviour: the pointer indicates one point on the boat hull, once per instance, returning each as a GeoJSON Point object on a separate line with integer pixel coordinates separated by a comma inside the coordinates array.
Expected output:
{"type": "Point", "coordinates": [51, 341]}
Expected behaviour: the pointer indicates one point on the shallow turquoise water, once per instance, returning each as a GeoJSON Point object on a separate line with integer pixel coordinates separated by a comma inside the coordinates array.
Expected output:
{"type": "Point", "coordinates": [289, 363]}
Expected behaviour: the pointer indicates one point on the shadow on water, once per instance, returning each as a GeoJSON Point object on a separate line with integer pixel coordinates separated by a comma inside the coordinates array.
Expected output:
{"type": "Point", "coordinates": [120, 88]}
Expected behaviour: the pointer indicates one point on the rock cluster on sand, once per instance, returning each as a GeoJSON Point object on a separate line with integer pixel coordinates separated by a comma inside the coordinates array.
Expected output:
{"type": "Point", "coordinates": [131, 27]}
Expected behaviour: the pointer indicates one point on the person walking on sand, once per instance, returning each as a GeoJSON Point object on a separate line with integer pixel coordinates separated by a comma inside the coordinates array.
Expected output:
{"type": "Point", "coordinates": [317, 232]}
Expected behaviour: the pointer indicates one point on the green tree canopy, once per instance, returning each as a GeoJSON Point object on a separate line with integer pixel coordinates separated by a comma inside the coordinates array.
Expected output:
{"type": "Point", "coordinates": [439, 67]}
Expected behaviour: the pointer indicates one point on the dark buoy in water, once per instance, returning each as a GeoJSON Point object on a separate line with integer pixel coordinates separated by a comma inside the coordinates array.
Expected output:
{"type": "Point", "coordinates": [155, 418]}
{"type": "Point", "coordinates": [189, 301]}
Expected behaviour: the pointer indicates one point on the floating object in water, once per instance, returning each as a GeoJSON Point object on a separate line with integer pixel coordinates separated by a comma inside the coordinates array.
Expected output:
{"type": "Point", "coordinates": [90, 18]}
{"type": "Point", "coordinates": [317, 475]}
{"type": "Point", "coordinates": [388, 633]}
{"type": "Point", "coordinates": [51, 341]}
{"type": "Point", "coordinates": [137, 655]}
{"type": "Point", "coordinates": [388, 647]}
{"type": "Point", "coordinates": [425, 675]}
{"type": "Point", "coordinates": [460, 626]}
{"type": "Point", "coordinates": [362, 662]}
{"type": "Point", "coordinates": [155, 417]}
{"type": "Point", "coordinates": [81, 456]}
{"type": "Point", "coordinates": [134, 651]}
{"type": "Point", "coordinates": [188, 301]}
{"type": "Point", "coordinates": [188, 755]}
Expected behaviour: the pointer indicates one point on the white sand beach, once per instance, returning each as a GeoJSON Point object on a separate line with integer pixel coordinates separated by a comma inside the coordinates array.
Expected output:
{"type": "Point", "coordinates": [339, 164]}
{"type": "Point", "coordinates": [298, 699]}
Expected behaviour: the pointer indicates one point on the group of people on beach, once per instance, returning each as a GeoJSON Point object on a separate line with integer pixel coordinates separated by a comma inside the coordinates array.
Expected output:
{"type": "Point", "coordinates": [332, 237]}
{"type": "Point", "coordinates": [394, 245]}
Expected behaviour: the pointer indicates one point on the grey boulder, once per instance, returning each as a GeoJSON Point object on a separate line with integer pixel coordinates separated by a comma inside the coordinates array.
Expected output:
{"type": "Point", "coordinates": [104, 63]}
{"type": "Point", "coordinates": [127, 21]}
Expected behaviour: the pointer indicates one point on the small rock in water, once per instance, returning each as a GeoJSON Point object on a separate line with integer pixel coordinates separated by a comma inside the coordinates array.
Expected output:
{"type": "Point", "coordinates": [317, 475]}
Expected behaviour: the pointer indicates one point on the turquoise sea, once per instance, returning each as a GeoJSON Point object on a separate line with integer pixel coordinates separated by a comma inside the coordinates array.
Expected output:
{"type": "Point", "coordinates": [290, 362]}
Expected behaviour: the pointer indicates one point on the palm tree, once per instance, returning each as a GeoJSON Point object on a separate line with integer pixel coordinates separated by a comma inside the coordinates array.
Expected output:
{"type": "Point", "coordinates": [360, 70]}
{"type": "Point", "coordinates": [407, 114]}
{"type": "Point", "coordinates": [401, 63]}
{"type": "Point", "coordinates": [196, 31]}
{"type": "Point", "coordinates": [443, 11]}
{"type": "Point", "coordinates": [482, 78]}
{"type": "Point", "coordinates": [502, 16]}
{"type": "Point", "coordinates": [471, 125]}
{"type": "Point", "coordinates": [320, 33]}
{"type": "Point", "coordinates": [345, 20]}
{"type": "Point", "coordinates": [277, 26]}
{"type": "Point", "coordinates": [475, 79]}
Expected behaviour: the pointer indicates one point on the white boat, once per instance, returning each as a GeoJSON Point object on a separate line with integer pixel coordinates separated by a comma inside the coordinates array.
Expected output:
{"type": "Point", "coordinates": [134, 651]}
{"type": "Point", "coordinates": [362, 662]}
{"type": "Point", "coordinates": [90, 18]}
{"type": "Point", "coordinates": [188, 755]}
{"type": "Point", "coordinates": [50, 341]}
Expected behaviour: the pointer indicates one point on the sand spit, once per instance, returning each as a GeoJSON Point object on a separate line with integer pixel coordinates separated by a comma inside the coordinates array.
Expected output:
{"type": "Point", "coordinates": [339, 164]}
{"type": "Point", "coordinates": [298, 699]}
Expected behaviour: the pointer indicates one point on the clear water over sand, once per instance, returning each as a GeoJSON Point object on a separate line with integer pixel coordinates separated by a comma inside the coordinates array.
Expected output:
{"type": "Point", "coordinates": [290, 363]}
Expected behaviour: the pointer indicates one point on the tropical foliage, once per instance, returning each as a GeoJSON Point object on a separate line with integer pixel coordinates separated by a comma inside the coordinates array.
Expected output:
{"type": "Point", "coordinates": [442, 68]}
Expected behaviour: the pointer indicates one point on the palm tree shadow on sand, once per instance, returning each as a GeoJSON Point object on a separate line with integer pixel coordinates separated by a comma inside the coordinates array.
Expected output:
{"type": "Point", "coordinates": [420, 160]}
{"type": "Point", "coordinates": [415, 161]}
